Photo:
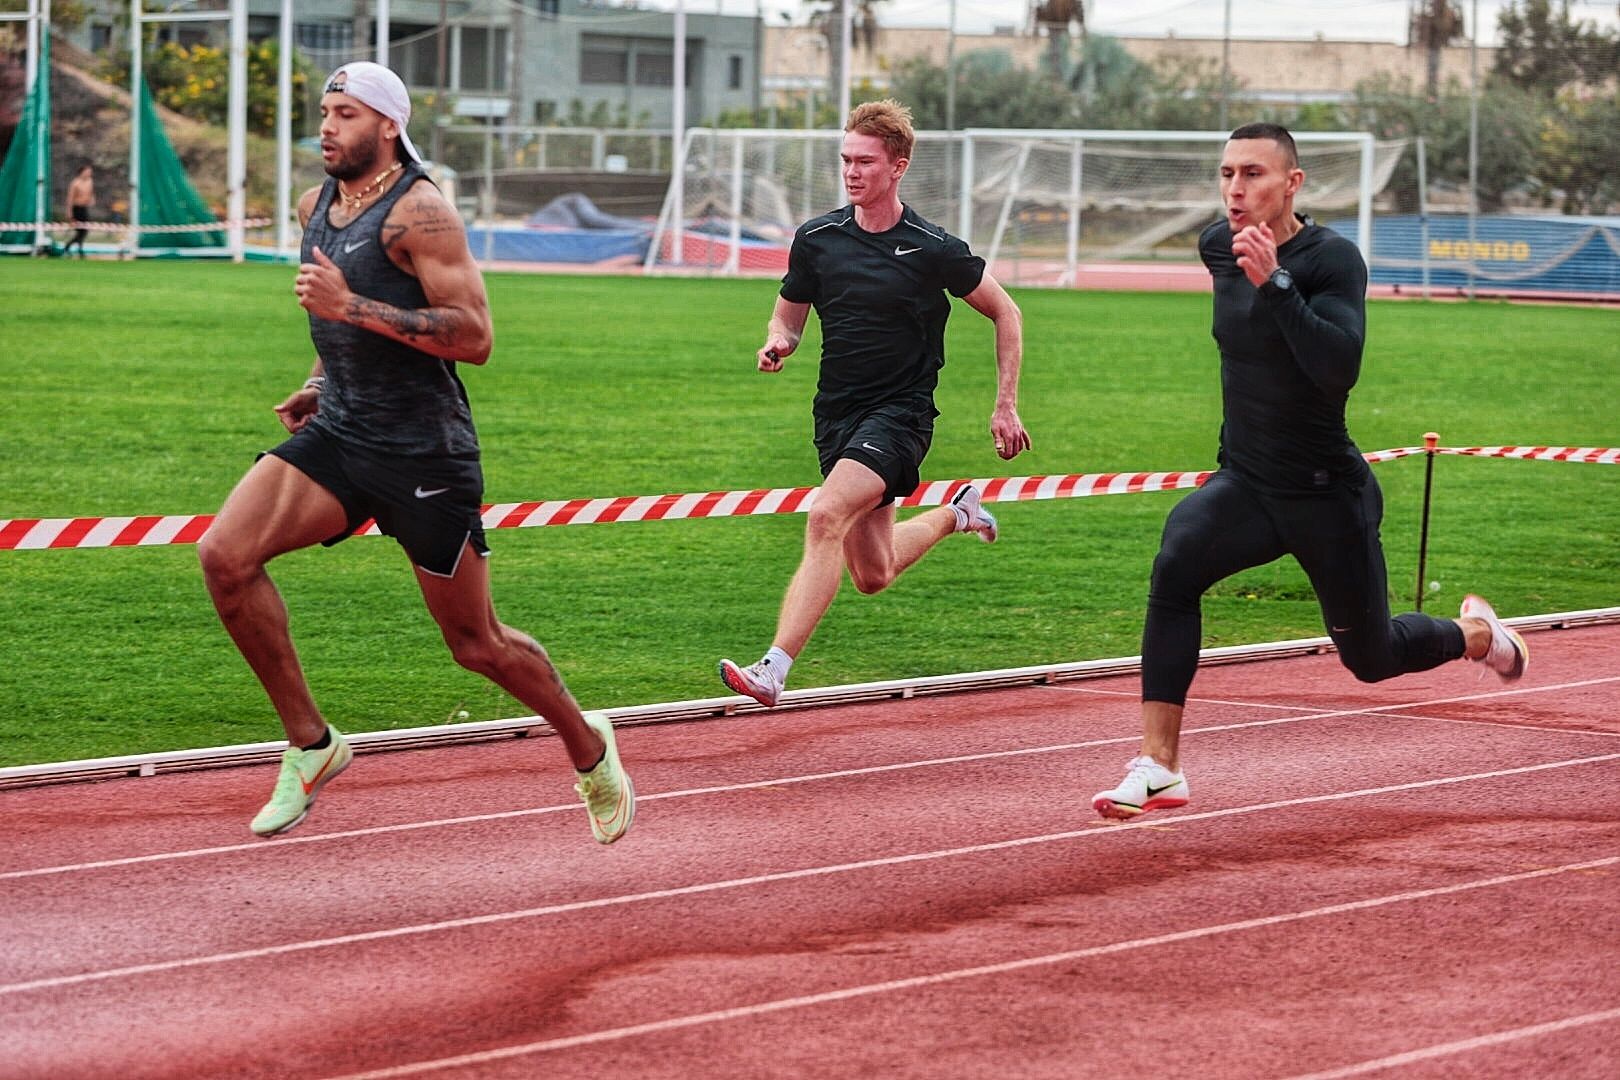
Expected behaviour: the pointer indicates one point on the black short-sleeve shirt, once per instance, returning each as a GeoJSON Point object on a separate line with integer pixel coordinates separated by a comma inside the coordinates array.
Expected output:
{"type": "Point", "coordinates": [882, 304]}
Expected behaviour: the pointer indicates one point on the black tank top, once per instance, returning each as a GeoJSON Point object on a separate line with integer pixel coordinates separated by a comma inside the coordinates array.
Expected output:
{"type": "Point", "coordinates": [380, 393]}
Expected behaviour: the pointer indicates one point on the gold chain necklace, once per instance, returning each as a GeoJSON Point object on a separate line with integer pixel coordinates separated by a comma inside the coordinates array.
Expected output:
{"type": "Point", "coordinates": [353, 201]}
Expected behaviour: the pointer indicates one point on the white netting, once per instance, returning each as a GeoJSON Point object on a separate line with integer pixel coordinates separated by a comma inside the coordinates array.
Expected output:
{"type": "Point", "coordinates": [744, 192]}
{"type": "Point", "coordinates": [1037, 202]}
{"type": "Point", "coordinates": [1044, 201]}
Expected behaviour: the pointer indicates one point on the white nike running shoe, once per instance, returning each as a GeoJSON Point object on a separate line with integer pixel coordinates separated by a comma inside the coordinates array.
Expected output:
{"type": "Point", "coordinates": [1508, 655]}
{"type": "Point", "coordinates": [971, 516]}
{"type": "Point", "coordinates": [1147, 786]}
{"type": "Point", "coordinates": [758, 681]}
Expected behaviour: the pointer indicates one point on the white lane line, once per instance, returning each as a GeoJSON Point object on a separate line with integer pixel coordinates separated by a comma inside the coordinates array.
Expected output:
{"type": "Point", "coordinates": [1318, 711]}
{"type": "Point", "coordinates": [1507, 725]}
{"type": "Point", "coordinates": [1136, 695]}
{"type": "Point", "coordinates": [1495, 1038]}
{"type": "Point", "coordinates": [686, 793]}
{"type": "Point", "coordinates": [764, 879]}
{"type": "Point", "coordinates": [1006, 967]}
{"type": "Point", "coordinates": [1310, 712]}
{"type": "Point", "coordinates": [279, 843]}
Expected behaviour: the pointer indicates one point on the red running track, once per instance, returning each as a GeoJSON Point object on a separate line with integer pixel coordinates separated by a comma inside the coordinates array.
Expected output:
{"type": "Point", "coordinates": [1415, 879]}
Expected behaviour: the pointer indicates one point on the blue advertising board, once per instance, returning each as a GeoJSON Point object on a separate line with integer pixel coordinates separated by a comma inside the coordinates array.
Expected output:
{"type": "Point", "coordinates": [1510, 253]}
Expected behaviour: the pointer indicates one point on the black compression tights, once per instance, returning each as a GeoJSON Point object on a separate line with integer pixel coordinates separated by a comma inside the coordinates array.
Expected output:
{"type": "Point", "coordinates": [1225, 527]}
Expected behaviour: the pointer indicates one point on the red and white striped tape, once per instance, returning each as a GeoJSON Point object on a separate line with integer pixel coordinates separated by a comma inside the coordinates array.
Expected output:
{"type": "Point", "coordinates": [1595, 455]}
{"type": "Point", "coordinates": [113, 226]}
{"type": "Point", "coordinates": [22, 534]}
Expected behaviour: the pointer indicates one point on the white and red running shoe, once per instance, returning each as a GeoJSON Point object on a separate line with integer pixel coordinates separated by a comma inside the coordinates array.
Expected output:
{"type": "Point", "coordinates": [1508, 655]}
{"type": "Point", "coordinates": [758, 681]}
{"type": "Point", "coordinates": [1147, 786]}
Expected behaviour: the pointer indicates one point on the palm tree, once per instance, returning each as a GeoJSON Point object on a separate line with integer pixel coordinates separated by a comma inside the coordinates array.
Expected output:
{"type": "Point", "coordinates": [1056, 17]}
{"type": "Point", "coordinates": [828, 17]}
{"type": "Point", "coordinates": [1436, 24]}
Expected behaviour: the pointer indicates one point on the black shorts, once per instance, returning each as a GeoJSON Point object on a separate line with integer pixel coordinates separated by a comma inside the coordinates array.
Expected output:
{"type": "Point", "coordinates": [80, 213]}
{"type": "Point", "coordinates": [890, 440]}
{"type": "Point", "coordinates": [432, 506]}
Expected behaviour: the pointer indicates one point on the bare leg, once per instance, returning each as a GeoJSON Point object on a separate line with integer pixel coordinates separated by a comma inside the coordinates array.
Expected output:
{"type": "Point", "coordinates": [1161, 733]}
{"type": "Point", "coordinates": [1476, 637]}
{"type": "Point", "coordinates": [509, 658]}
{"type": "Point", "coordinates": [877, 550]}
{"type": "Point", "coordinates": [274, 509]}
{"type": "Point", "coordinates": [847, 527]}
{"type": "Point", "coordinates": [850, 493]}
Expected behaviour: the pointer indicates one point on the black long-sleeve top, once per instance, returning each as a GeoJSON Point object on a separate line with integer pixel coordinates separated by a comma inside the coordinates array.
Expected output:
{"type": "Point", "coordinates": [1288, 360]}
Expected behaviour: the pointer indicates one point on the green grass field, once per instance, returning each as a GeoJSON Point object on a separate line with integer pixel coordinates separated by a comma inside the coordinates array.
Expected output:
{"type": "Point", "coordinates": [147, 389]}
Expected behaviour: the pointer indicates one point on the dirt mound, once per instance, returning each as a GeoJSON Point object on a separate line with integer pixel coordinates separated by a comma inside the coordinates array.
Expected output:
{"type": "Point", "coordinates": [90, 125]}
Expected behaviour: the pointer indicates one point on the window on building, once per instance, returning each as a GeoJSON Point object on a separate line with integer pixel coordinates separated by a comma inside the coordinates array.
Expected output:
{"type": "Point", "coordinates": [655, 69]}
{"type": "Point", "coordinates": [414, 54]}
{"type": "Point", "coordinates": [100, 37]}
{"type": "Point", "coordinates": [604, 61]}
{"type": "Point", "coordinates": [325, 37]}
{"type": "Point", "coordinates": [734, 72]}
{"type": "Point", "coordinates": [546, 9]}
{"type": "Point", "coordinates": [476, 49]}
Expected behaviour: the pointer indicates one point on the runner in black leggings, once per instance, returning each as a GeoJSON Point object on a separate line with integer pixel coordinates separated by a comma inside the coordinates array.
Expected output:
{"type": "Point", "coordinates": [1290, 319]}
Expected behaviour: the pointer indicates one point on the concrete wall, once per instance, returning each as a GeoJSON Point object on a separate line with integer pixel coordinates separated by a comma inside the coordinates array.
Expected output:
{"type": "Point", "coordinates": [1304, 70]}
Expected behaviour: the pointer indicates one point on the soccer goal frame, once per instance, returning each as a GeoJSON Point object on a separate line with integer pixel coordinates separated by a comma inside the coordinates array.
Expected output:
{"type": "Point", "coordinates": [721, 192]}
{"type": "Point", "coordinates": [1075, 140]}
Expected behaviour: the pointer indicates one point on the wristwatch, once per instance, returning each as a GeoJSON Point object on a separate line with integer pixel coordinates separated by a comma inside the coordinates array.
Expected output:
{"type": "Point", "coordinates": [1281, 280]}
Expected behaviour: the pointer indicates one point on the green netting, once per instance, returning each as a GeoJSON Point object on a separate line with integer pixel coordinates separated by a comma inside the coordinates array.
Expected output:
{"type": "Point", "coordinates": [30, 147]}
{"type": "Point", "coordinates": [167, 197]}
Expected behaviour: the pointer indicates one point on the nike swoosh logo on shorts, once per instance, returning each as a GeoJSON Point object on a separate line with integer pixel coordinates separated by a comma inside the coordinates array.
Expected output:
{"type": "Point", "coordinates": [869, 446]}
{"type": "Point", "coordinates": [347, 247]}
{"type": "Point", "coordinates": [420, 494]}
{"type": "Point", "coordinates": [905, 251]}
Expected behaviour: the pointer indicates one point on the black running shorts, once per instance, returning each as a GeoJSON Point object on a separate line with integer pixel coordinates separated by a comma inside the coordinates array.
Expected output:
{"type": "Point", "coordinates": [430, 505]}
{"type": "Point", "coordinates": [891, 440]}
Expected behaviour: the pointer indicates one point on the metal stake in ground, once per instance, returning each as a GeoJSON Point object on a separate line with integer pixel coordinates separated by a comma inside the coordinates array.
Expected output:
{"type": "Point", "coordinates": [1430, 439]}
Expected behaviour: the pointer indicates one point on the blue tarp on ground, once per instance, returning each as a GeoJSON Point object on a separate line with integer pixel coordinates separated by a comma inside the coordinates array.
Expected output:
{"type": "Point", "coordinates": [517, 244]}
{"type": "Point", "coordinates": [568, 229]}
{"type": "Point", "coordinates": [576, 211]}
{"type": "Point", "coordinates": [1512, 254]}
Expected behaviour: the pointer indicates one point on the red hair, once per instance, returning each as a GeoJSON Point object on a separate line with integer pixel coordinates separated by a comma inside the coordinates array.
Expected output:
{"type": "Point", "coordinates": [888, 120]}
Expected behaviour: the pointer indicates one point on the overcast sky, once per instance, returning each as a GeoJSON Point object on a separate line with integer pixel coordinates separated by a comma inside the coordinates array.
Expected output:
{"type": "Point", "coordinates": [1357, 20]}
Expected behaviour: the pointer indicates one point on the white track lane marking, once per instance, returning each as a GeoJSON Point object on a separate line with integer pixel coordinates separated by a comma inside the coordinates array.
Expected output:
{"type": "Point", "coordinates": [763, 879]}
{"type": "Point", "coordinates": [279, 843]}
{"type": "Point", "coordinates": [1003, 968]}
{"type": "Point", "coordinates": [1495, 1038]}
{"type": "Point", "coordinates": [1508, 725]}
{"type": "Point", "coordinates": [1308, 713]}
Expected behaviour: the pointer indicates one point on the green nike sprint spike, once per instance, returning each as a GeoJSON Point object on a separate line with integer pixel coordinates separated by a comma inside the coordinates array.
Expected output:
{"type": "Point", "coordinates": [606, 789]}
{"type": "Point", "coordinates": [303, 774]}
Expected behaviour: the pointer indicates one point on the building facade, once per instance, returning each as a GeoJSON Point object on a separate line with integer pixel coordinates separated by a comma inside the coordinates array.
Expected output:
{"type": "Point", "coordinates": [515, 61]}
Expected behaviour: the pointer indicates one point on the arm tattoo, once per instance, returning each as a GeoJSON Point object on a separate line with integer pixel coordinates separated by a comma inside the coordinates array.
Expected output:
{"type": "Point", "coordinates": [424, 217]}
{"type": "Point", "coordinates": [441, 326]}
